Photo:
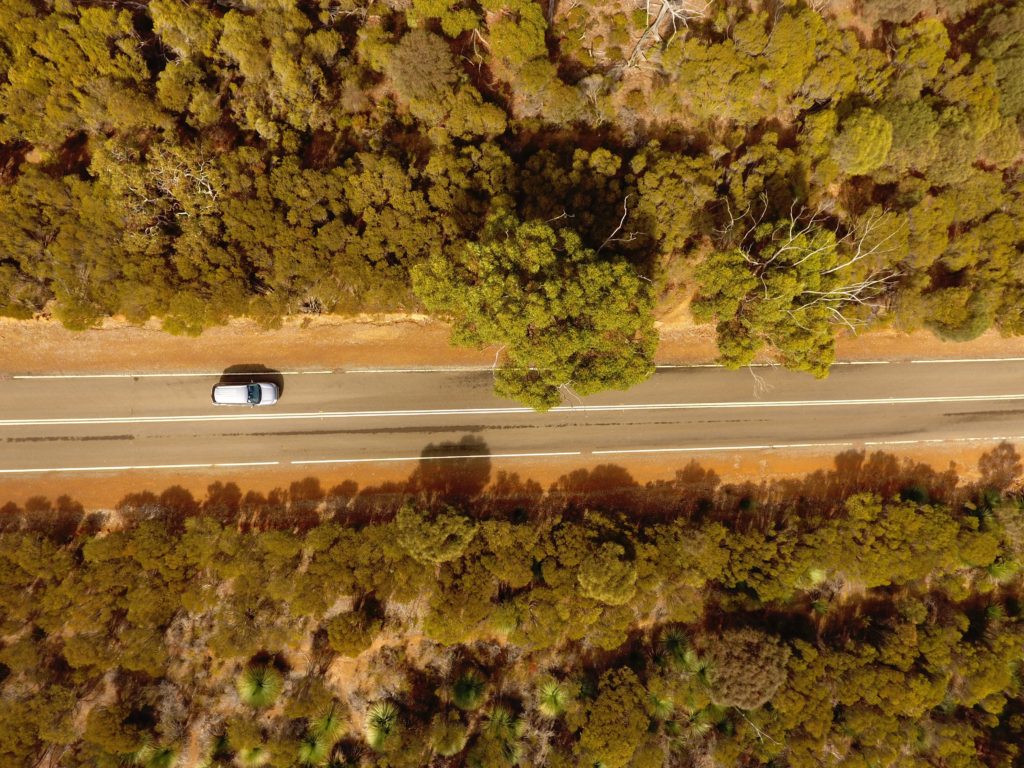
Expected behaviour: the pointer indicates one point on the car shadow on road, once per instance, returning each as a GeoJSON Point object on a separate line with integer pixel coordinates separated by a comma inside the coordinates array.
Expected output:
{"type": "Point", "coordinates": [243, 373]}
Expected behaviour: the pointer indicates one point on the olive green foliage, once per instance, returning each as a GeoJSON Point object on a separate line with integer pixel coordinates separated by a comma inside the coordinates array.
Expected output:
{"type": "Point", "coordinates": [863, 143]}
{"type": "Point", "coordinates": [786, 285]}
{"type": "Point", "coordinates": [195, 162]}
{"type": "Point", "coordinates": [606, 576]}
{"type": "Point", "coordinates": [561, 314]}
{"type": "Point", "coordinates": [433, 541]}
{"type": "Point", "coordinates": [854, 610]}
{"type": "Point", "coordinates": [745, 668]}
{"type": "Point", "coordinates": [616, 721]}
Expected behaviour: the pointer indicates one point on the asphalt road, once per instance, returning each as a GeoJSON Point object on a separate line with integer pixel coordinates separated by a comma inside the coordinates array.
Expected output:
{"type": "Point", "coordinates": [86, 424]}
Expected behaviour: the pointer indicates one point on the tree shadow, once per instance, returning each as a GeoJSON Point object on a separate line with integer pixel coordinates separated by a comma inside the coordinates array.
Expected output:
{"type": "Point", "coordinates": [458, 474]}
{"type": "Point", "coordinates": [1000, 468]}
{"type": "Point", "coordinates": [455, 473]}
{"type": "Point", "coordinates": [606, 487]}
{"type": "Point", "coordinates": [245, 373]}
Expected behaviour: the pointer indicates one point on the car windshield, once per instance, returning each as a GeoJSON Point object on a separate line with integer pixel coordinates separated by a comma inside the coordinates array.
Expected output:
{"type": "Point", "coordinates": [255, 393]}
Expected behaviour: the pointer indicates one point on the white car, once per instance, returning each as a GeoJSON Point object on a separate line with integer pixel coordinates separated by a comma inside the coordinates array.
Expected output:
{"type": "Point", "coordinates": [255, 393]}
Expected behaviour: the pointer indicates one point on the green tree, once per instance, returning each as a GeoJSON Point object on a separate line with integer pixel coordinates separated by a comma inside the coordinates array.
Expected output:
{"type": "Point", "coordinates": [863, 143]}
{"type": "Point", "coordinates": [616, 721]}
{"type": "Point", "coordinates": [745, 668]}
{"type": "Point", "coordinates": [436, 539]}
{"type": "Point", "coordinates": [564, 316]}
{"type": "Point", "coordinates": [606, 576]}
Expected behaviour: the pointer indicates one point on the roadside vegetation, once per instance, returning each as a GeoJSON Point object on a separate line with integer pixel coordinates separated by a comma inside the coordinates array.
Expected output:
{"type": "Point", "coordinates": [866, 616]}
{"type": "Point", "coordinates": [543, 174]}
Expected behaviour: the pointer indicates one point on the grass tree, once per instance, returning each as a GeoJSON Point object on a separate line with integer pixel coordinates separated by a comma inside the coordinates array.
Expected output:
{"type": "Point", "coordinates": [253, 757]}
{"type": "Point", "coordinates": [382, 728]}
{"type": "Point", "coordinates": [155, 757]}
{"type": "Point", "coordinates": [469, 690]}
{"type": "Point", "coordinates": [448, 734]}
{"type": "Point", "coordinates": [313, 750]}
{"type": "Point", "coordinates": [504, 730]}
{"type": "Point", "coordinates": [552, 698]}
{"type": "Point", "coordinates": [323, 733]}
{"type": "Point", "coordinates": [330, 725]}
{"type": "Point", "coordinates": [259, 686]}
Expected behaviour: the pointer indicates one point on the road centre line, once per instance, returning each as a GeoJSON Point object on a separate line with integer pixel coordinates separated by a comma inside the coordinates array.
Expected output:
{"type": "Point", "coordinates": [508, 410]}
{"type": "Point", "coordinates": [785, 446]}
{"type": "Point", "coordinates": [208, 374]}
{"type": "Point", "coordinates": [141, 466]}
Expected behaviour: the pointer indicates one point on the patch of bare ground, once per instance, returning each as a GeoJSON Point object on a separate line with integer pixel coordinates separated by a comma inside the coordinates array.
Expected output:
{"type": "Point", "coordinates": [397, 340]}
{"type": "Point", "coordinates": [394, 340]}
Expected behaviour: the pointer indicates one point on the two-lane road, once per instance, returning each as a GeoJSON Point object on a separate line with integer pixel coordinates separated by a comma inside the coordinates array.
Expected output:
{"type": "Point", "coordinates": [102, 423]}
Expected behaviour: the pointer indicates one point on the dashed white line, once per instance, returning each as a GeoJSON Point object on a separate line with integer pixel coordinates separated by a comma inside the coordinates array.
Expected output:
{"type": "Point", "coordinates": [123, 468]}
{"type": "Point", "coordinates": [508, 410]}
{"type": "Point", "coordinates": [546, 454]}
{"type": "Point", "coordinates": [426, 369]}
{"type": "Point", "coordinates": [784, 446]}
{"type": "Point", "coordinates": [439, 458]}
{"type": "Point", "coordinates": [207, 374]}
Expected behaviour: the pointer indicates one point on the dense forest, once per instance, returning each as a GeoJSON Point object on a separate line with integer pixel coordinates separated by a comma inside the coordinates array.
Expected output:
{"type": "Point", "coordinates": [545, 174]}
{"type": "Point", "coordinates": [867, 616]}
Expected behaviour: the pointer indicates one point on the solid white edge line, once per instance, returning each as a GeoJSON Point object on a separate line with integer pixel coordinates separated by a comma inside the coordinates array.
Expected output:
{"type": "Point", "coordinates": [208, 374]}
{"type": "Point", "coordinates": [473, 368]}
{"type": "Point", "coordinates": [971, 360]}
{"type": "Point", "coordinates": [438, 458]}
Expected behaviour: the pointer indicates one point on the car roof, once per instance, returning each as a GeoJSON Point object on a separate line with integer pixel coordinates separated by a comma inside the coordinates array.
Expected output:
{"type": "Point", "coordinates": [232, 394]}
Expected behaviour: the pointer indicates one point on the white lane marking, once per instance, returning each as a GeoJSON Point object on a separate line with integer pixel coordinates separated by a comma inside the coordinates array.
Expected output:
{"type": "Point", "coordinates": [221, 465]}
{"type": "Point", "coordinates": [622, 451]}
{"type": "Point", "coordinates": [782, 446]}
{"type": "Point", "coordinates": [425, 369]}
{"type": "Point", "coordinates": [440, 458]}
{"type": "Point", "coordinates": [468, 368]}
{"type": "Point", "coordinates": [766, 447]}
{"type": "Point", "coordinates": [767, 365]}
{"type": "Point", "coordinates": [141, 466]}
{"type": "Point", "coordinates": [972, 360]}
{"type": "Point", "coordinates": [163, 375]}
{"type": "Point", "coordinates": [509, 410]}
